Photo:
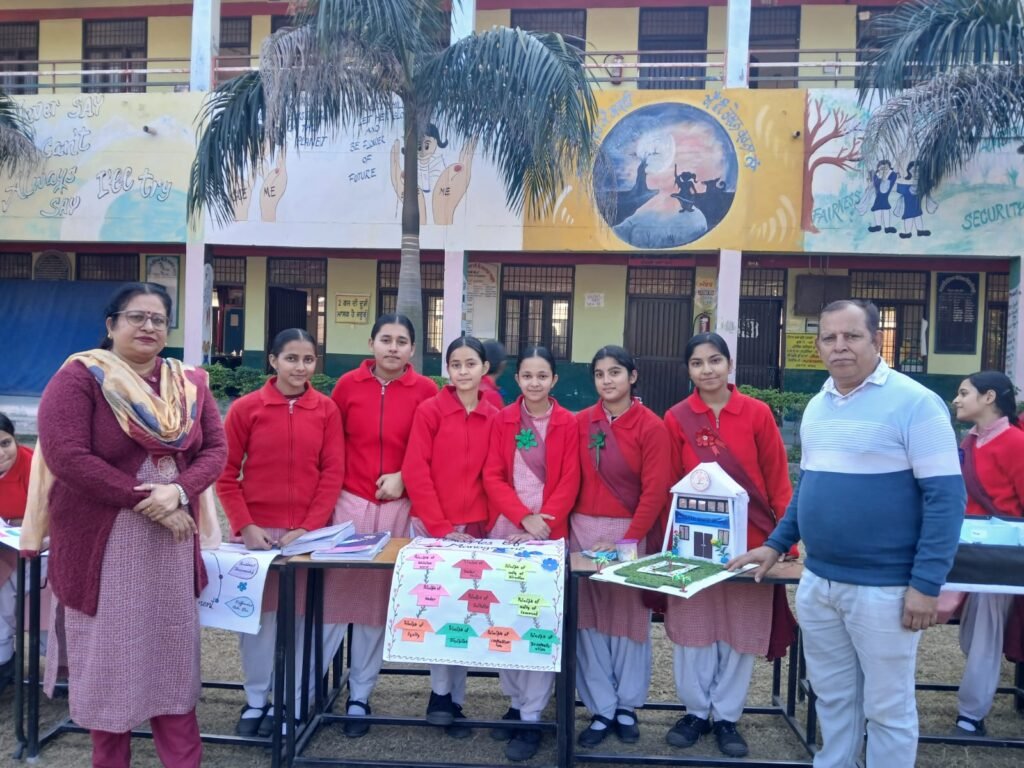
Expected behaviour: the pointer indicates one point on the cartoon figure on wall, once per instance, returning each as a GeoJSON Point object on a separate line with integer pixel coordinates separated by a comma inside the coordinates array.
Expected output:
{"type": "Point", "coordinates": [274, 174]}
{"type": "Point", "coordinates": [641, 192]}
{"type": "Point", "coordinates": [443, 184]}
{"type": "Point", "coordinates": [880, 185]}
{"type": "Point", "coordinates": [910, 207]}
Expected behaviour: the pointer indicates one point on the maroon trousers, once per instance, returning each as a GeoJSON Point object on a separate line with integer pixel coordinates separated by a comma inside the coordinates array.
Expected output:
{"type": "Point", "coordinates": [176, 738]}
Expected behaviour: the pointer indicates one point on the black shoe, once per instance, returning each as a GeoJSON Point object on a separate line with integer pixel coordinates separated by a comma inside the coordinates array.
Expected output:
{"type": "Point", "coordinates": [506, 733]}
{"type": "Point", "coordinates": [455, 730]}
{"type": "Point", "coordinates": [924, 233]}
{"type": "Point", "coordinates": [524, 745]}
{"type": "Point", "coordinates": [250, 726]}
{"type": "Point", "coordinates": [979, 727]}
{"type": "Point", "coordinates": [874, 228]}
{"type": "Point", "coordinates": [890, 230]}
{"type": "Point", "coordinates": [266, 728]}
{"type": "Point", "coordinates": [905, 235]}
{"type": "Point", "coordinates": [628, 734]}
{"type": "Point", "coordinates": [353, 728]}
{"type": "Point", "coordinates": [687, 731]}
{"type": "Point", "coordinates": [730, 743]}
{"type": "Point", "coordinates": [440, 710]}
{"type": "Point", "coordinates": [591, 737]}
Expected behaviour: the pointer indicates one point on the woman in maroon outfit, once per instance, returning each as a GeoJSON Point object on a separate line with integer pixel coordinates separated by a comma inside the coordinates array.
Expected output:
{"type": "Point", "coordinates": [131, 441]}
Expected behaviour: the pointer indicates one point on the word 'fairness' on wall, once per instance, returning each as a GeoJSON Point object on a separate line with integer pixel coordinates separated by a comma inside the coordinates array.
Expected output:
{"type": "Point", "coordinates": [494, 604]}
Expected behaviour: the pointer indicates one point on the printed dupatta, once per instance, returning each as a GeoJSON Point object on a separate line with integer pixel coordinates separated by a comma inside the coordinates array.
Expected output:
{"type": "Point", "coordinates": [531, 445]}
{"type": "Point", "coordinates": [617, 476]}
{"type": "Point", "coordinates": [971, 480]}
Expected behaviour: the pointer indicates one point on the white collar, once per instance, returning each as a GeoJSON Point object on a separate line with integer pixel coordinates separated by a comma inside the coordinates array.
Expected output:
{"type": "Point", "coordinates": [877, 377]}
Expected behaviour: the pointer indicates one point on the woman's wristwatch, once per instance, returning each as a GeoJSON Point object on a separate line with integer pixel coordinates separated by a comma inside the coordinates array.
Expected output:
{"type": "Point", "coordinates": [182, 496]}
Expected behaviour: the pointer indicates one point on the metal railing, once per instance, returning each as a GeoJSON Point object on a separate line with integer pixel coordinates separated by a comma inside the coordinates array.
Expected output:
{"type": "Point", "coordinates": [95, 75]}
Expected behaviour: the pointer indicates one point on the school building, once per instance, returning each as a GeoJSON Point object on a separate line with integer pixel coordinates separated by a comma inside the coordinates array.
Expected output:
{"type": "Point", "coordinates": [728, 194]}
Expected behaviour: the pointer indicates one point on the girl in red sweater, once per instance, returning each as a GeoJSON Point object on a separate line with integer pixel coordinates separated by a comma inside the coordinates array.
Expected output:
{"type": "Point", "coordinates": [532, 476]}
{"type": "Point", "coordinates": [288, 437]}
{"type": "Point", "coordinates": [718, 633]}
{"type": "Point", "coordinates": [624, 453]}
{"type": "Point", "coordinates": [993, 467]}
{"type": "Point", "coordinates": [15, 461]}
{"type": "Point", "coordinates": [377, 402]}
{"type": "Point", "coordinates": [443, 473]}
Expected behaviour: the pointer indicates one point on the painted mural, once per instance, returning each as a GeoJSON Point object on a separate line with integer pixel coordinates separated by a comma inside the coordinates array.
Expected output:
{"type": "Point", "coordinates": [352, 183]}
{"type": "Point", "coordinates": [852, 208]}
{"type": "Point", "coordinates": [685, 170]}
{"type": "Point", "coordinates": [115, 169]}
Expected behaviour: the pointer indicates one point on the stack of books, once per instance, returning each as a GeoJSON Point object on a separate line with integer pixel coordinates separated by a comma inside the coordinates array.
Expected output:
{"type": "Point", "coordinates": [360, 547]}
{"type": "Point", "coordinates": [322, 538]}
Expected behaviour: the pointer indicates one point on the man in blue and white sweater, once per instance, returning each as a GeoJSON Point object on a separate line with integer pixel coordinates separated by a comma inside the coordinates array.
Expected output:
{"type": "Point", "coordinates": [878, 507]}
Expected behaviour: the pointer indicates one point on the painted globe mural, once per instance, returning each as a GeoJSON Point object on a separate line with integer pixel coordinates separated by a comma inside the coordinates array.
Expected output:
{"type": "Point", "coordinates": [665, 176]}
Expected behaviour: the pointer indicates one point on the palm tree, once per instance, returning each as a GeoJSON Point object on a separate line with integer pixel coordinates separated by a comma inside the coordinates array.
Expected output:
{"type": "Point", "coordinates": [524, 98]}
{"type": "Point", "coordinates": [18, 152]}
{"type": "Point", "coordinates": [951, 76]}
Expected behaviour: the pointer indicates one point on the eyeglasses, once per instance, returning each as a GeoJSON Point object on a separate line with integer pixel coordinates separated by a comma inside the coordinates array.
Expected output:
{"type": "Point", "coordinates": [137, 319]}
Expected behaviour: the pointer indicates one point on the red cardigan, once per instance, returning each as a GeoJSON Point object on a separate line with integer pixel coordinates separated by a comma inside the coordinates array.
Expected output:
{"type": "Point", "coordinates": [94, 465]}
{"type": "Point", "coordinates": [377, 420]}
{"type": "Point", "coordinates": [489, 391]}
{"type": "Point", "coordinates": [14, 487]}
{"type": "Point", "coordinates": [748, 427]}
{"type": "Point", "coordinates": [642, 437]}
{"type": "Point", "coordinates": [443, 467]}
{"type": "Point", "coordinates": [294, 460]}
{"type": "Point", "coordinates": [561, 460]}
{"type": "Point", "coordinates": [1000, 467]}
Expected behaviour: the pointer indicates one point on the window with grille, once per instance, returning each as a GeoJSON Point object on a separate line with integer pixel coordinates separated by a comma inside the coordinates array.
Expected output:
{"type": "Point", "coordinates": [121, 267]}
{"type": "Point", "coordinates": [15, 266]}
{"type": "Point", "coordinates": [235, 46]}
{"type": "Point", "coordinates": [763, 283]}
{"type": "Point", "coordinates": [660, 281]}
{"type": "Point", "coordinates": [536, 308]}
{"type": "Point", "coordinates": [997, 301]}
{"type": "Point", "coordinates": [902, 301]}
{"type": "Point", "coordinates": [228, 298]}
{"type": "Point", "coordinates": [867, 40]}
{"type": "Point", "coordinates": [305, 273]}
{"type": "Point", "coordinates": [117, 48]}
{"type": "Point", "coordinates": [672, 36]}
{"type": "Point", "coordinates": [773, 30]}
{"type": "Point", "coordinates": [432, 286]}
{"type": "Point", "coordinates": [571, 25]}
{"type": "Point", "coordinates": [52, 265]}
{"type": "Point", "coordinates": [19, 52]}
{"type": "Point", "coordinates": [280, 21]}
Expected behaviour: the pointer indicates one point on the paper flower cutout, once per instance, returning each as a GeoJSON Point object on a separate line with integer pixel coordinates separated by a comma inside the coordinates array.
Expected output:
{"type": "Point", "coordinates": [526, 439]}
{"type": "Point", "coordinates": [597, 443]}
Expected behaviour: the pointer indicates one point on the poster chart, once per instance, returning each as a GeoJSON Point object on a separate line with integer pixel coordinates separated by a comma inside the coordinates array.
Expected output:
{"type": "Point", "coordinates": [234, 594]}
{"type": "Point", "coordinates": [483, 603]}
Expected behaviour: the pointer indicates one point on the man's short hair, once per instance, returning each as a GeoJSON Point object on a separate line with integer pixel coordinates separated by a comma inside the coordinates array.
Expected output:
{"type": "Point", "coordinates": [869, 309]}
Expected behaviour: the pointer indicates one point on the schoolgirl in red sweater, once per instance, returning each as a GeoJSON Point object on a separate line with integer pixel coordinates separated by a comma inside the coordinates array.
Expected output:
{"type": "Point", "coordinates": [443, 473]}
{"type": "Point", "coordinates": [626, 476]}
{"type": "Point", "coordinates": [285, 468]}
{"type": "Point", "coordinates": [719, 632]}
{"type": "Point", "coordinates": [532, 476]}
{"type": "Point", "coordinates": [993, 468]}
{"type": "Point", "coordinates": [15, 461]}
{"type": "Point", "coordinates": [377, 402]}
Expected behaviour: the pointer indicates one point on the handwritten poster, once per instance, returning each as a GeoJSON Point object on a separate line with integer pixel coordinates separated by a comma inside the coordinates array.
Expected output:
{"type": "Point", "coordinates": [801, 354]}
{"type": "Point", "coordinates": [352, 308]}
{"type": "Point", "coordinates": [234, 594]}
{"type": "Point", "coordinates": [482, 603]}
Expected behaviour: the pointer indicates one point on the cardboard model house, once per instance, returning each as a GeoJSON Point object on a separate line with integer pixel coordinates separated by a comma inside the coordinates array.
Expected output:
{"type": "Point", "coordinates": [709, 516]}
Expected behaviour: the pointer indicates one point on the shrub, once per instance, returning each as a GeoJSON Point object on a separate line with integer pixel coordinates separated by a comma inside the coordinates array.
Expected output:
{"type": "Point", "coordinates": [227, 383]}
{"type": "Point", "coordinates": [439, 380]}
{"type": "Point", "coordinates": [220, 379]}
{"type": "Point", "coordinates": [785, 405]}
{"type": "Point", "coordinates": [321, 382]}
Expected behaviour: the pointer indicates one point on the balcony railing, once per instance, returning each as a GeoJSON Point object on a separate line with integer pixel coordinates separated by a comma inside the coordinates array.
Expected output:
{"type": "Point", "coordinates": [96, 75]}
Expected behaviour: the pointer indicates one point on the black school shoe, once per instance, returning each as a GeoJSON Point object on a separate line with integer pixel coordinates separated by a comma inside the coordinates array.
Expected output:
{"type": "Point", "coordinates": [507, 732]}
{"type": "Point", "coordinates": [440, 709]}
{"type": "Point", "coordinates": [353, 728]}
{"type": "Point", "coordinates": [455, 730]}
{"type": "Point", "coordinates": [592, 736]}
{"type": "Point", "coordinates": [628, 734]}
{"type": "Point", "coordinates": [687, 731]}
{"type": "Point", "coordinates": [250, 726]}
{"type": "Point", "coordinates": [524, 745]}
{"type": "Point", "coordinates": [978, 726]}
{"type": "Point", "coordinates": [730, 743]}
{"type": "Point", "coordinates": [266, 728]}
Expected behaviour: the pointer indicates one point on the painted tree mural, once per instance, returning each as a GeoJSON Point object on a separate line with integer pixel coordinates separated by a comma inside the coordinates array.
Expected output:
{"type": "Point", "coordinates": [829, 125]}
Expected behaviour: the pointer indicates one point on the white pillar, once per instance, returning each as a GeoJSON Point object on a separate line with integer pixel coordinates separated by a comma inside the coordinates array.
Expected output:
{"type": "Point", "coordinates": [463, 24]}
{"type": "Point", "coordinates": [1015, 327]}
{"type": "Point", "coordinates": [737, 49]}
{"type": "Point", "coordinates": [195, 268]}
{"type": "Point", "coordinates": [727, 317]}
{"type": "Point", "coordinates": [205, 43]}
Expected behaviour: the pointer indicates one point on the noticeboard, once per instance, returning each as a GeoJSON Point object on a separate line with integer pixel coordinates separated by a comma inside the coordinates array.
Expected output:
{"type": "Point", "coordinates": [956, 316]}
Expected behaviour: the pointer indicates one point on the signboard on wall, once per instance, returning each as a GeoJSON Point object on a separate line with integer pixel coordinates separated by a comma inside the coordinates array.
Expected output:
{"type": "Point", "coordinates": [956, 329]}
{"type": "Point", "coordinates": [482, 300]}
{"type": "Point", "coordinates": [801, 354]}
{"type": "Point", "coordinates": [352, 308]}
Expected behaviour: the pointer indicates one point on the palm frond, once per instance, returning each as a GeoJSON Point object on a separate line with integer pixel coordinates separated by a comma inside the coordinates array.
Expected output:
{"type": "Point", "coordinates": [526, 98]}
{"type": "Point", "coordinates": [231, 141]}
{"type": "Point", "coordinates": [18, 151]}
{"type": "Point", "coordinates": [922, 38]}
{"type": "Point", "coordinates": [943, 122]}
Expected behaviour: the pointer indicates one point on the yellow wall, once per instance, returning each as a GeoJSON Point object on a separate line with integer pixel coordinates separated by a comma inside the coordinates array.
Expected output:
{"type": "Point", "coordinates": [357, 276]}
{"type": "Point", "coordinates": [255, 303]}
{"type": "Point", "coordinates": [957, 365]}
{"type": "Point", "coordinates": [170, 37]}
{"type": "Point", "coordinates": [487, 19]}
{"type": "Point", "coordinates": [593, 328]}
{"type": "Point", "coordinates": [827, 26]}
{"type": "Point", "coordinates": [60, 40]}
{"type": "Point", "coordinates": [260, 32]}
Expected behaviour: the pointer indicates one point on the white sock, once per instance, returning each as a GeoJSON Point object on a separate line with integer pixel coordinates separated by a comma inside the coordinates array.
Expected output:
{"type": "Point", "coordinates": [252, 713]}
{"type": "Point", "coordinates": [356, 710]}
{"type": "Point", "coordinates": [963, 725]}
{"type": "Point", "coordinates": [626, 719]}
{"type": "Point", "coordinates": [597, 725]}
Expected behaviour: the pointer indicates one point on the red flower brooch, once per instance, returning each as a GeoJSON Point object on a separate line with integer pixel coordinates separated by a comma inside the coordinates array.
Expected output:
{"type": "Point", "coordinates": [706, 438]}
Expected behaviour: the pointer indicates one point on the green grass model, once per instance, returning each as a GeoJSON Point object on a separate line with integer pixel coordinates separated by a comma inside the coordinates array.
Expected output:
{"type": "Point", "coordinates": [666, 570]}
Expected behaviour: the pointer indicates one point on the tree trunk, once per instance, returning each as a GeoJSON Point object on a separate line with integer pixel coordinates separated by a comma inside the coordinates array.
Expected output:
{"type": "Point", "coordinates": [807, 204]}
{"type": "Point", "coordinates": [410, 291]}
